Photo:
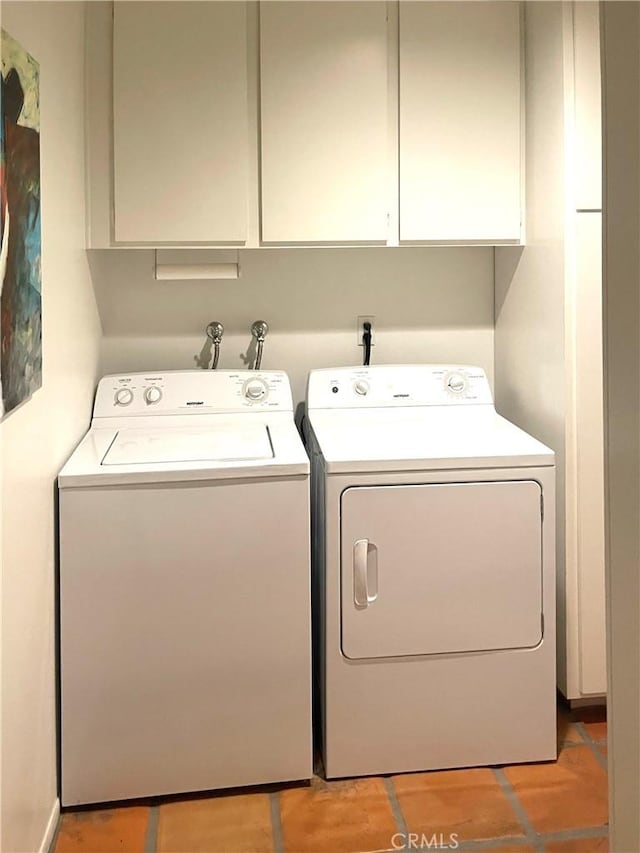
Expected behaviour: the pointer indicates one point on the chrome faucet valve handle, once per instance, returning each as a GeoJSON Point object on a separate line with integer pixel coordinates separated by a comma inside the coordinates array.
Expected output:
{"type": "Point", "coordinates": [259, 330]}
{"type": "Point", "coordinates": [215, 331]}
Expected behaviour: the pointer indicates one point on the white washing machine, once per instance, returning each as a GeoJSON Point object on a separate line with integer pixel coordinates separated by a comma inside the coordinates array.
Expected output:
{"type": "Point", "coordinates": [433, 566]}
{"type": "Point", "coordinates": [185, 638]}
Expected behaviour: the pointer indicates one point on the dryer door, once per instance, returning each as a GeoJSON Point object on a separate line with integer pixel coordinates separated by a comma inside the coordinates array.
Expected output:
{"type": "Point", "coordinates": [431, 569]}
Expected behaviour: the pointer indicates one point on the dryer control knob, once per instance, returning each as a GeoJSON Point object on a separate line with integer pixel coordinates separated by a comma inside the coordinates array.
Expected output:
{"type": "Point", "coordinates": [361, 387]}
{"type": "Point", "coordinates": [456, 383]}
{"type": "Point", "coordinates": [255, 390]}
{"type": "Point", "coordinates": [123, 396]}
{"type": "Point", "coordinates": [153, 394]}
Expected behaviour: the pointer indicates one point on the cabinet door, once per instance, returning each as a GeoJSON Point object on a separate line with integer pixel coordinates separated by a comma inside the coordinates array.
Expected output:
{"type": "Point", "coordinates": [460, 121]}
{"type": "Point", "coordinates": [180, 122]}
{"type": "Point", "coordinates": [323, 93]}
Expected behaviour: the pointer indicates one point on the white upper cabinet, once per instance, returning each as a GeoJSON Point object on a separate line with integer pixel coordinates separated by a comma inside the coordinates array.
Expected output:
{"type": "Point", "coordinates": [316, 122]}
{"type": "Point", "coordinates": [180, 122]}
{"type": "Point", "coordinates": [460, 122]}
{"type": "Point", "coordinates": [324, 122]}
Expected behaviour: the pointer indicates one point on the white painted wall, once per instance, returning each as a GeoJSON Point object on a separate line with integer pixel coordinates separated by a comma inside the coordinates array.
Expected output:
{"type": "Point", "coordinates": [430, 305]}
{"type": "Point", "coordinates": [1, 592]}
{"type": "Point", "coordinates": [621, 208]}
{"type": "Point", "coordinates": [530, 282]}
{"type": "Point", "coordinates": [38, 437]}
{"type": "Point", "coordinates": [548, 317]}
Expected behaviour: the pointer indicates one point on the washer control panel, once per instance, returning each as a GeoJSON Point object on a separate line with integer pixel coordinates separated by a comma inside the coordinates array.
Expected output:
{"type": "Point", "coordinates": [152, 395]}
{"type": "Point", "coordinates": [398, 385]}
{"type": "Point", "coordinates": [255, 390]}
{"type": "Point", "coordinates": [123, 397]}
{"type": "Point", "coordinates": [457, 382]}
{"type": "Point", "coordinates": [192, 391]}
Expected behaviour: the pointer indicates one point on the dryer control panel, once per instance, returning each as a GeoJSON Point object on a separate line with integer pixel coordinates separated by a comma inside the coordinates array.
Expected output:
{"type": "Point", "coordinates": [179, 392]}
{"type": "Point", "coordinates": [398, 385]}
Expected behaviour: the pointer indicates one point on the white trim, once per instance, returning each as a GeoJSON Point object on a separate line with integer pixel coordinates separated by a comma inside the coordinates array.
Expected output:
{"type": "Point", "coordinates": [52, 825]}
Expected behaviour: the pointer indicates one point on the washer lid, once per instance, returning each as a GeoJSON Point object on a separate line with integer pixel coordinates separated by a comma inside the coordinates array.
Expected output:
{"type": "Point", "coordinates": [189, 444]}
{"type": "Point", "coordinates": [170, 449]}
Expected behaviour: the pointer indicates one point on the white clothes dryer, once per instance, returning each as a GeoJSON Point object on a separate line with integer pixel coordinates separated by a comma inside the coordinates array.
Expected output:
{"type": "Point", "coordinates": [185, 641]}
{"type": "Point", "coordinates": [433, 573]}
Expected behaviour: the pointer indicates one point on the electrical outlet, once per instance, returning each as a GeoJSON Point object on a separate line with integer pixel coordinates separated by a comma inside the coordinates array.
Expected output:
{"type": "Point", "coordinates": [365, 318]}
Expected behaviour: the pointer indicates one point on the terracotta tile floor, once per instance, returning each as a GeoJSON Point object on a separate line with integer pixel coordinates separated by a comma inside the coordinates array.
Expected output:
{"type": "Point", "coordinates": [555, 807]}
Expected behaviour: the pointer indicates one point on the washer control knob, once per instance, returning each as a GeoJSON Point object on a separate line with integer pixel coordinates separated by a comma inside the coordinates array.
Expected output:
{"type": "Point", "coordinates": [361, 387]}
{"type": "Point", "coordinates": [456, 383]}
{"type": "Point", "coordinates": [123, 396]}
{"type": "Point", "coordinates": [152, 395]}
{"type": "Point", "coordinates": [255, 390]}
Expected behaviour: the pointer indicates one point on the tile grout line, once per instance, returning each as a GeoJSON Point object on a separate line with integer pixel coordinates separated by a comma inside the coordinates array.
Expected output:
{"type": "Point", "coordinates": [539, 842]}
{"type": "Point", "coordinates": [588, 741]}
{"type": "Point", "coordinates": [151, 835]}
{"type": "Point", "coordinates": [571, 834]}
{"type": "Point", "coordinates": [401, 824]}
{"type": "Point", "coordinates": [276, 822]}
{"type": "Point", "coordinates": [569, 744]}
{"type": "Point", "coordinates": [493, 843]}
{"type": "Point", "coordinates": [530, 834]}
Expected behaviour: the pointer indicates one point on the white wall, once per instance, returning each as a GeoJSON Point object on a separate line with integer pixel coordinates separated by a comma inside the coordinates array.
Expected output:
{"type": "Point", "coordinates": [530, 282]}
{"type": "Point", "coordinates": [429, 304]}
{"type": "Point", "coordinates": [621, 205]}
{"type": "Point", "coordinates": [1, 576]}
{"type": "Point", "coordinates": [38, 437]}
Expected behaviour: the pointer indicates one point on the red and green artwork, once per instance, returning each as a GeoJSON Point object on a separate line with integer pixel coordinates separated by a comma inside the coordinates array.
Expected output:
{"type": "Point", "coordinates": [20, 253]}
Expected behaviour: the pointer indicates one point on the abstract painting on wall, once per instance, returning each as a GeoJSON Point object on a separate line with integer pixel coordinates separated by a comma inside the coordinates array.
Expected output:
{"type": "Point", "coordinates": [20, 268]}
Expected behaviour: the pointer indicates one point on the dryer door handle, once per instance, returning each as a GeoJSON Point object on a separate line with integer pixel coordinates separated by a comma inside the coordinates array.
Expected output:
{"type": "Point", "coordinates": [361, 595]}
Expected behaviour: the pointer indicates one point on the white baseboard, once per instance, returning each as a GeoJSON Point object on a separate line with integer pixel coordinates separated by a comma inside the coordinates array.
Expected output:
{"type": "Point", "coordinates": [587, 701]}
{"type": "Point", "coordinates": [50, 831]}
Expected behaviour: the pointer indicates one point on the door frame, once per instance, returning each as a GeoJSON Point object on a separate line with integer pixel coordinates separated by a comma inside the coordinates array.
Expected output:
{"type": "Point", "coordinates": [620, 28]}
